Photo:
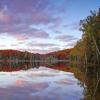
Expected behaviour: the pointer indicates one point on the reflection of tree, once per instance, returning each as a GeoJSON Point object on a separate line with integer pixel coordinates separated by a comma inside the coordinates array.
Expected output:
{"type": "Point", "coordinates": [88, 79]}
{"type": "Point", "coordinates": [16, 66]}
{"type": "Point", "coordinates": [87, 76]}
{"type": "Point", "coordinates": [60, 66]}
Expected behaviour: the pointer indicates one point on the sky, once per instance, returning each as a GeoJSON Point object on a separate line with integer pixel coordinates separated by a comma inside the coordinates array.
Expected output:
{"type": "Point", "coordinates": [42, 26]}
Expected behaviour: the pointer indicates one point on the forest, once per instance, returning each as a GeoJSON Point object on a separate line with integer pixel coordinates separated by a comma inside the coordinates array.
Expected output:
{"type": "Point", "coordinates": [20, 56]}
{"type": "Point", "coordinates": [87, 49]}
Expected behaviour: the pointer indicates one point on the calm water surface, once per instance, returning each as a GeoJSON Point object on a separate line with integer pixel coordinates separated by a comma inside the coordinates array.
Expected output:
{"type": "Point", "coordinates": [43, 83]}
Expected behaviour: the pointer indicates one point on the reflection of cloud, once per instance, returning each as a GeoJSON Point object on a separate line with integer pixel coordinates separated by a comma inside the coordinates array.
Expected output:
{"type": "Point", "coordinates": [48, 85]}
{"type": "Point", "coordinates": [20, 82]}
{"type": "Point", "coordinates": [65, 82]}
{"type": "Point", "coordinates": [40, 86]}
{"type": "Point", "coordinates": [22, 92]}
{"type": "Point", "coordinates": [36, 86]}
{"type": "Point", "coordinates": [16, 93]}
{"type": "Point", "coordinates": [42, 75]}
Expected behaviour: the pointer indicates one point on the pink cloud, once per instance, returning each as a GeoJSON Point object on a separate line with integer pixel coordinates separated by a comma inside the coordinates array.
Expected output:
{"type": "Point", "coordinates": [19, 37]}
{"type": "Point", "coordinates": [4, 17]}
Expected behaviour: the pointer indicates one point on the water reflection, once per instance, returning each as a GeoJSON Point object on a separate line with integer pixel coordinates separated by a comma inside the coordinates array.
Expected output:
{"type": "Point", "coordinates": [38, 81]}
{"type": "Point", "coordinates": [17, 66]}
{"type": "Point", "coordinates": [89, 79]}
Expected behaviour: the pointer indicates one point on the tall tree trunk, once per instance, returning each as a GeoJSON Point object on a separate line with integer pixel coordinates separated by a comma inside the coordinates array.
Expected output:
{"type": "Point", "coordinates": [96, 45]}
{"type": "Point", "coordinates": [85, 58]}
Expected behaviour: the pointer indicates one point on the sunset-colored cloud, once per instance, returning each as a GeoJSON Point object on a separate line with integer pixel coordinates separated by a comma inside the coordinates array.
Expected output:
{"type": "Point", "coordinates": [19, 37]}
{"type": "Point", "coordinates": [4, 17]}
{"type": "Point", "coordinates": [20, 82]}
{"type": "Point", "coordinates": [41, 21]}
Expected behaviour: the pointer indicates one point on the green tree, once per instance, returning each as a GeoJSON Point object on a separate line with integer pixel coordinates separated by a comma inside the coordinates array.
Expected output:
{"type": "Point", "coordinates": [88, 48]}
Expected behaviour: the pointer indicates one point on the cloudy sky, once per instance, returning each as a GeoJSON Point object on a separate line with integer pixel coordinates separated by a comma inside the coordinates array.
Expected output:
{"type": "Point", "coordinates": [42, 25]}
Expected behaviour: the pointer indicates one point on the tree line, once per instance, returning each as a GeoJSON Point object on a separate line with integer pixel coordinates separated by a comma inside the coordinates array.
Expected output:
{"type": "Point", "coordinates": [87, 49]}
{"type": "Point", "coordinates": [15, 55]}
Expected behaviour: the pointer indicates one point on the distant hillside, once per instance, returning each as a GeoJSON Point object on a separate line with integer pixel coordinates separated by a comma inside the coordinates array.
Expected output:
{"type": "Point", "coordinates": [59, 55]}
{"type": "Point", "coordinates": [19, 55]}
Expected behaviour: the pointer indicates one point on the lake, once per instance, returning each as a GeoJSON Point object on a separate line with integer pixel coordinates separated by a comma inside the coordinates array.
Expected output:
{"type": "Point", "coordinates": [35, 81]}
